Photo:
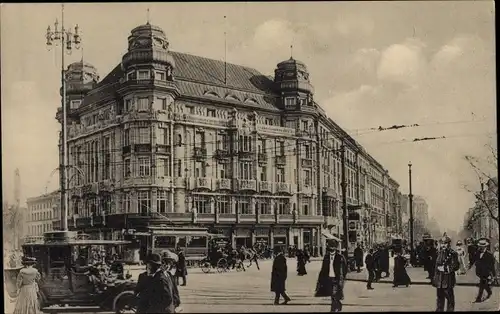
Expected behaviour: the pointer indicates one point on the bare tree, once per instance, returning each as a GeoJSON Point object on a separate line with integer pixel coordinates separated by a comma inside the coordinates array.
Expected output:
{"type": "Point", "coordinates": [486, 170]}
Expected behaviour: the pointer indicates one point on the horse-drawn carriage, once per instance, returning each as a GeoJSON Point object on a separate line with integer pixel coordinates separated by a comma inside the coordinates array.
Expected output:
{"type": "Point", "coordinates": [69, 279]}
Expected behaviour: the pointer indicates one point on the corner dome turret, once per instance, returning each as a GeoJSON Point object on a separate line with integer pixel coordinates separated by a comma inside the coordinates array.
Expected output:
{"type": "Point", "coordinates": [81, 77]}
{"type": "Point", "coordinates": [147, 44]}
{"type": "Point", "coordinates": [292, 75]}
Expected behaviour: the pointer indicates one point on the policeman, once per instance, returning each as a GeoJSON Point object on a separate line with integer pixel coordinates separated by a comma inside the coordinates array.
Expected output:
{"type": "Point", "coordinates": [444, 279]}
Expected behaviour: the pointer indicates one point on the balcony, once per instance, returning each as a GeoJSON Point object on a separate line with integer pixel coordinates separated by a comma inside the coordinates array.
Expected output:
{"type": "Point", "coordinates": [200, 153]}
{"type": "Point", "coordinates": [142, 148]}
{"type": "Point", "coordinates": [137, 181]}
{"type": "Point", "coordinates": [246, 155]}
{"type": "Point", "coordinates": [306, 189]}
{"type": "Point", "coordinates": [179, 182]}
{"type": "Point", "coordinates": [280, 160]}
{"type": "Point", "coordinates": [206, 218]}
{"type": "Point", "coordinates": [265, 186]}
{"type": "Point", "coordinates": [310, 219]}
{"type": "Point", "coordinates": [222, 154]}
{"type": "Point", "coordinates": [247, 218]}
{"type": "Point", "coordinates": [203, 183]}
{"type": "Point", "coordinates": [227, 218]}
{"type": "Point", "coordinates": [286, 219]}
{"type": "Point", "coordinates": [306, 163]}
{"type": "Point", "coordinates": [266, 218]}
{"type": "Point", "coordinates": [224, 184]}
{"type": "Point", "coordinates": [283, 187]}
{"type": "Point", "coordinates": [126, 149]}
{"type": "Point", "coordinates": [247, 185]}
{"type": "Point", "coordinates": [262, 157]}
{"type": "Point", "coordinates": [163, 149]}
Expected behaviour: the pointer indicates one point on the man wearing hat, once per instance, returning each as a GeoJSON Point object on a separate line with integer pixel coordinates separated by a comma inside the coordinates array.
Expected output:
{"type": "Point", "coordinates": [159, 297]}
{"type": "Point", "coordinates": [332, 276]}
{"type": "Point", "coordinates": [279, 274]}
{"type": "Point", "coordinates": [485, 269]}
{"type": "Point", "coordinates": [444, 276]}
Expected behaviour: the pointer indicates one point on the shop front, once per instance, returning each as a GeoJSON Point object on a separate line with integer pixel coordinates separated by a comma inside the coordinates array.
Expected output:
{"type": "Point", "coordinates": [243, 237]}
{"type": "Point", "coordinates": [280, 239]}
{"type": "Point", "coordinates": [261, 237]}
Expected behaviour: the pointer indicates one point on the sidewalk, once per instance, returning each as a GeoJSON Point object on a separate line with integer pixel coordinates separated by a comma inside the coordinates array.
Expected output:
{"type": "Point", "coordinates": [418, 277]}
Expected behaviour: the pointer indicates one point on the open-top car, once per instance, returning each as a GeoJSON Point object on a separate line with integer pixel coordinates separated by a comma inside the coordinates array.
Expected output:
{"type": "Point", "coordinates": [74, 272]}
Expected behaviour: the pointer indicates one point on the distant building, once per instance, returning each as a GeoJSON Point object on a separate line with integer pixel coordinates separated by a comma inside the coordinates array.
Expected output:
{"type": "Point", "coordinates": [420, 209]}
{"type": "Point", "coordinates": [478, 220]}
{"type": "Point", "coordinates": [43, 213]}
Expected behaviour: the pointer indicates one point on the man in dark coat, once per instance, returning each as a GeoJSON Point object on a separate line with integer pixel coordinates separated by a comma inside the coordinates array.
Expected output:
{"type": "Point", "coordinates": [385, 256]}
{"type": "Point", "coordinates": [472, 251]}
{"type": "Point", "coordinates": [159, 293]}
{"type": "Point", "coordinates": [141, 291]}
{"type": "Point", "coordinates": [181, 269]}
{"type": "Point", "coordinates": [485, 269]}
{"type": "Point", "coordinates": [358, 257]}
{"type": "Point", "coordinates": [370, 268]}
{"type": "Point", "coordinates": [332, 276]}
{"type": "Point", "coordinates": [278, 277]}
{"type": "Point", "coordinates": [430, 260]}
{"type": "Point", "coordinates": [376, 262]}
{"type": "Point", "coordinates": [444, 279]}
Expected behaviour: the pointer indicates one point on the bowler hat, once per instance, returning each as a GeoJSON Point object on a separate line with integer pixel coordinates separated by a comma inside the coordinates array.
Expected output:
{"type": "Point", "coordinates": [483, 242]}
{"type": "Point", "coordinates": [332, 243]}
{"type": "Point", "coordinates": [28, 260]}
{"type": "Point", "coordinates": [170, 256]}
{"type": "Point", "coordinates": [154, 259]}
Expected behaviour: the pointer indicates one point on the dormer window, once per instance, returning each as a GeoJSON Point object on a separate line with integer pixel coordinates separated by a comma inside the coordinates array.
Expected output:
{"type": "Point", "coordinates": [290, 102]}
{"type": "Point", "coordinates": [143, 75]}
{"type": "Point", "coordinates": [75, 104]}
{"type": "Point", "coordinates": [130, 75]}
{"type": "Point", "coordinates": [160, 76]}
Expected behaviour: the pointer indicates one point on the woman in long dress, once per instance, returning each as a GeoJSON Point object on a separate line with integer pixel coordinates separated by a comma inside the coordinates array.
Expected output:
{"type": "Point", "coordinates": [27, 299]}
{"type": "Point", "coordinates": [461, 258]}
{"type": "Point", "coordinates": [401, 277]}
{"type": "Point", "coordinates": [301, 263]}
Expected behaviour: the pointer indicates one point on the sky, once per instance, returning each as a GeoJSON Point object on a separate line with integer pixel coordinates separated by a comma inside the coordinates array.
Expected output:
{"type": "Point", "coordinates": [371, 63]}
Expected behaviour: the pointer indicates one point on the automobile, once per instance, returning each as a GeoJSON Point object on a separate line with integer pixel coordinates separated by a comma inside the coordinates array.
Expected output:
{"type": "Point", "coordinates": [74, 274]}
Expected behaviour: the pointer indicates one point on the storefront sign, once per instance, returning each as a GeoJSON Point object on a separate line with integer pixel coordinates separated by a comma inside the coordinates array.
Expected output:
{"type": "Point", "coordinates": [280, 231]}
{"type": "Point", "coordinates": [261, 232]}
{"type": "Point", "coordinates": [280, 240]}
{"type": "Point", "coordinates": [243, 232]}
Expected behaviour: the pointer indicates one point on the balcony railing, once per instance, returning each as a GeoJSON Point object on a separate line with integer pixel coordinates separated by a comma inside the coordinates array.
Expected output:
{"type": "Point", "coordinates": [162, 148]}
{"type": "Point", "coordinates": [246, 155]}
{"type": "Point", "coordinates": [269, 218]}
{"type": "Point", "coordinates": [247, 185]}
{"type": "Point", "coordinates": [306, 162]}
{"type": "Point", "coordinates": [306, 189]}
{"type": "Point", "coordinates": [280, 160]}
{"type": "Point", "coordinates": [283, 187]}
{"type": "Point", "coordinates": [223, 184]}
{"type": "Point", "coordinates": [265, 186]}
{"type": "Point", "coordinates": [222, 154]}
{"type": "Point", "coordinates": [200, 153]}
{"type": "Point", "coordinates": [203, 183]}
{"type": "Point", "coordinates": [142, 148]}
{"type": "Point", "coordinates": [262, 158]}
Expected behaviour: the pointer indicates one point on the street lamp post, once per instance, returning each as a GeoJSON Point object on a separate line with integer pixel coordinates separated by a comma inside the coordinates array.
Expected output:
{"type": "Point", "coordinates": [410, 200]}
{"type": "Point", "coordinates": [67, 40]}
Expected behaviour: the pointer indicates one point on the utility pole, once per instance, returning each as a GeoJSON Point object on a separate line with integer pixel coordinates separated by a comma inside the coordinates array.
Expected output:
{"type": "Point", "coordinates": [345, 240]}
{"type": "Point", "coordinates": [410, 199]}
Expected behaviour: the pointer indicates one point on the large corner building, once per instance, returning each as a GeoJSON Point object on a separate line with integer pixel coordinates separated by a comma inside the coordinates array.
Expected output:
{"type": "Point", "coordinates": [171, 138]}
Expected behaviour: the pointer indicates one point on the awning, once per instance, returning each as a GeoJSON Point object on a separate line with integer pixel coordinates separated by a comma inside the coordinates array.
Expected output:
{"type": "Point", "coordinates": [180, 233]}
{"type": "Point", "coordinates": [328, 235]}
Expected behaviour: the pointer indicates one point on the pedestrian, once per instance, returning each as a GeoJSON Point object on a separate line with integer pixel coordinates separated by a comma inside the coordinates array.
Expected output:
{"type": "Point", "coordinates": [159, 297]}
{"type": "Point", "coordinates": [485, 269]}
{"type": "Point", "coordinates": [181, 269]}
{"type": "Point", "coordinates": [141, 290]}
{"type": "Point", "coordinates": [301, 263]}
{"type": "Point", "coordinates": [27, 288]}
{"type": "Point", "coordinates": [496, 255]}
{"type": "Point", "coordinates": [430, 259]}
{"type": "Point", "coordinates": [471, 252]}
{"type": "Point", "coordinates": [332, 276]}
{"type": "Point", "coordinates": [358, 257]}
{"type": "Point", "coordinates": [278, 277]}
{"type": "Point", "coordinates": [385, 257]}
{"type": "Point", "coordinates": [461, 258]}
{"type": "Point", "coordinates": [401, 277]}
{"type": "Point", "coordinates": [376, 262]}
{"type": "Point", "coordinates": [444, 279]}
{"type": "Point", "coordinates": [169, 263]}
{"type": "Point", "coordinates": [370, 268]}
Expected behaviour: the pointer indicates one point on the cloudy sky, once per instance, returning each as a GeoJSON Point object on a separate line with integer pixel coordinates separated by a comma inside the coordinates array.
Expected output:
{"type": "Point", "coordinates": [372, 64]}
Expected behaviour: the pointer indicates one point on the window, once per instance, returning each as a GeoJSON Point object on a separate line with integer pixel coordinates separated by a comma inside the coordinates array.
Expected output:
{"type": "Point", "coordinates": [307, 152]}
{"type": "Point", "coordinates": [224, 174]}
{"type": "Point", "coordinates": [307, 177]}
{"type": "Point", "coordinates": [144, 136]}
{"type": "Point", "coordinates": [179, 168]}
{"type": "Point", "coordinates": [223, 142]}
{"type": "Point", "coordinates": [246, 171]}
{"type": "Point", "coordinates": [305, 126]}
{"type": "Point", "coordinates": [282, 206]}
{"type": "Point", "coordinates": [305, 209]}
{"type": "Point", "coordinates": [245, 143]}
{"type": "Point", "coordinates": [269, 121]}
{"type": "Point", "coordinates": [161, 202]}
{"type": "Point", "coordinates": [199, 140]}
{"type": "Point", "coordinates": [143, 75]}
{"type": "Point", "coordinates": [126, 203]}
{"type": "Point", "coordinates": [223, 205]}
{"type": "Point", "coordinates": [290, 102]}
{"type": "Point", "coordinates": [75, 104]}
{"type": "Point", "coordinates": [280, 174]}
{"type": "Point", "coordinates": [281, 146]}
{"type": "Point", "coordinates": [161, 103]}
{"type": "Point", "coordinates": [263, 173]}
{"type": "Point", "coordinates": [164, 167]}
{"type": "Point", "coordinates": [144, 167]}
{"type": "Point", "coordinates": [200, 170]}
{"type": "Point", "coordinates": [106, 170]}
{"type": "Point", "coordinates": [160, 76]}
{"type": "Point", "coordinates": [163, 137]}
{"type": "Point", "coordinates": [211, 113]}
{"type": "Point", "coordinates": [264, 206]}
{"type": "Point", "coordinates": [262, 146]}
{"type": "Point", "coordinates": [126, 137]}
{"type": "Point", "coordinates": [243, 206]}
{"type": "Point", "coordinates": [128, 105]}
{"type": "Point", "coordinates": [143, 104]}
{"type": "Point", "coordinates": [190, 109]}
{"type": "Point", "coordinates": [130, 76]}
{"type": "Point", "coordinates": [202, 204]}
{"type": "Point", "coordinates": [144, 202]}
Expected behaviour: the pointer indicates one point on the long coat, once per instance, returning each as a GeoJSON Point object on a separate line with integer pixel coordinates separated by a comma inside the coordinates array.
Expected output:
{"type": "Point", "coordinates": [449, 259]}
{"type": "Point", "coordinates": [358, 256]}
{"type": "Point", "coordinates": [324, 287]}
{"type": "Point", "coordinates": [279, 274]}
{"type": "Point", "coordinates": [141, 292]}
{"type": "Point", "coordinates": [160, 294]}
{"type": "Point", "coordinates": [369, 262]}
{"type": "Point", "coordinates": [485, 265]}
{"type": "Point", "coordinates": [181, 269]}
{"type": "Point", "coordinates": [400, 275]}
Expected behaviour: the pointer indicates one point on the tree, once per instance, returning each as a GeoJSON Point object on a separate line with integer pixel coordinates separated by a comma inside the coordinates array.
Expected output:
{"type": "Point", "coordinates": [487, 196]}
